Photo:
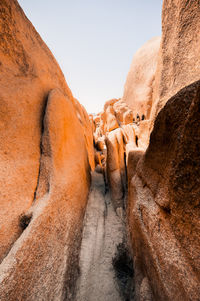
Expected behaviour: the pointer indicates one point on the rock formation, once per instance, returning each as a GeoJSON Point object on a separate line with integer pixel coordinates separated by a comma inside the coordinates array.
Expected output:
{"type": "Point", "coordinates": [121, 133]}
{"type": "Point", "coordinates": [139, 86]}
{"type": "Point", "coordinates": [46, 140]}
{"type": "Point", "coordinates": [164, 202]}
{"type": "Point", "coordinates": [49, 145]}
{"type": "Point", "coordinates": [178, 63]}
{"type": "Point", "coordinates": [163, 173]}
{"type": "Point", "coordinates": [163, 206]}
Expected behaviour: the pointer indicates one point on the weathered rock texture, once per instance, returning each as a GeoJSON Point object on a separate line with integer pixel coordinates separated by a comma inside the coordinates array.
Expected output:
{"type": "Point", "coordinates": [43, 263]}
{"type": "Point", "coordinates": [139, 86]}
{"type": "Point", "coordinates": [164, 200]}
{"type": "Point", "coordinates": [164, 195]}
{"type": "Point", "coordinates": [122, 133]}
{"type": "Point", "coordinates": [116, 166]}
{"type": "Point", "coordinates": [178, 60]}
{"type": "Point", "coordinates": [46, 141]}
{"type": "Point", "coordinates": [46, 154]}
{"type": "Point", "coordinates": [110, 120]}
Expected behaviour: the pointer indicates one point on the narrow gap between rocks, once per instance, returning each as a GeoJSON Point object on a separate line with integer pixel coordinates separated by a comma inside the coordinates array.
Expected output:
{"type": "Point", "coordinates": [106, 266]}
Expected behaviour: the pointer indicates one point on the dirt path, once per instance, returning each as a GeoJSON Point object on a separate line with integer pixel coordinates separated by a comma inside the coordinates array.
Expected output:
{"type": "Point", "coordinates": [103, 232]}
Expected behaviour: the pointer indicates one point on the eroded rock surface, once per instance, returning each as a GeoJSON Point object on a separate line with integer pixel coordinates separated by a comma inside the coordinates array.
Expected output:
{"type": "Point", "coordinates": [49, 145]}
{"type": "Point", "coordinates": [178, 59]}
{"type": "Point", "coordinates": [139, 86]}
{"type": "Point", "coordinates": [164, 201]}
{"type": "Point", "coordinates": [52, 238]}
{"type": "Point", "coordinates": [46, 141]}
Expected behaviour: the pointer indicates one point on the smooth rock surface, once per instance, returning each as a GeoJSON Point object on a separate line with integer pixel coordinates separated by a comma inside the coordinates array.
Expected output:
{"type": "Point", "coordinates": [45, 142]}
{"type": "Point", "coordinates": [43, 263]}
{"type": "Point", "coordinates": [139, 86]}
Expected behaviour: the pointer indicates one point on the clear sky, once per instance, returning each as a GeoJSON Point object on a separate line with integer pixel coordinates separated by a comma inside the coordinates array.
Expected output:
{"type": "Point", "coordinates": [94, 41]}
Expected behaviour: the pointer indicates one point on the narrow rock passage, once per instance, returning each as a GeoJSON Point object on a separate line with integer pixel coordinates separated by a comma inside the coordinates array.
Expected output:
{"type": "Point", "coordinates": [103, 232]}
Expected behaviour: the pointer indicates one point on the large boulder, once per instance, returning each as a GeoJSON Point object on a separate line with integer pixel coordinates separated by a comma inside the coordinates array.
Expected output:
{"type": "Point", "coordinates": [119, 143]}
{"type": "Point", "coordinates": [110, 102]}
{"type": "Point", "coordinates": [116, 166]}
{"type": "Point", "coordinates": [43, 146]}
{"type": "Point", "coordinates": [164, 200]}
{"type": "Point", "coordinates": [123, 113]}
{"type": "Point", "coordinates": [178, 60]}
{"type": "Point", "coordinates": [52, 237]}
{"type": "Point", "coordinates": [139, 86]}
{"type": "Point", "coordinates": [111, 122]}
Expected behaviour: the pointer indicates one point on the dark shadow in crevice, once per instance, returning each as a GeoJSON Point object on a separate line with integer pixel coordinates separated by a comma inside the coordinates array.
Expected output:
{"type": "Point", "coordinates": [167, 210]}
{"type": "Point", "coordinates": [136, 140]}
{"type": "Point", "coordinates": [24, 220]}
{"type": "Point", "coordinates": [123, 266]}
{"type": "Point", "coordinates": [41, 147]}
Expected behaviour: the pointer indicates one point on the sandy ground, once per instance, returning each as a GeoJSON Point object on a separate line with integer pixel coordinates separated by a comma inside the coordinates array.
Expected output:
{"type": "Point", "coordinates": [103, 231]}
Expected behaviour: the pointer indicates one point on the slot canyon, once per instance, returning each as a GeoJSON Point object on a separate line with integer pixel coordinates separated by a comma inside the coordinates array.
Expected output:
{"type": "Point", "coordinates": [102, 207]}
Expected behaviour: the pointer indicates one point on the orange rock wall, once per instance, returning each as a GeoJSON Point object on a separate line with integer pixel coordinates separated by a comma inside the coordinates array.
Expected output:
{"type": "Point", "coordinates": [45, 142]}
{"type": "Point", "coordinates": [49, 245]}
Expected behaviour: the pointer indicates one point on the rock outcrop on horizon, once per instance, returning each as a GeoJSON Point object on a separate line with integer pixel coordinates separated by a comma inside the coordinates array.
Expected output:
{"type": "Point", "coordinates": [46, 140]}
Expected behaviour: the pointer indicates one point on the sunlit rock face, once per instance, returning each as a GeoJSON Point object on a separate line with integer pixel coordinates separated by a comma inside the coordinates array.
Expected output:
{"type": "Point", "coordinates": [178, 60]}
{"type": "Point", "coordinates": [116, 129]}
{"type": "Point", "coordinates": [139, 86]}
{"type": "Point", "coordinates": [47, 152]}
{"type": "Point", "coordinates": [46, 141]}
{"type": "Point", "coordinates": [116, 166]}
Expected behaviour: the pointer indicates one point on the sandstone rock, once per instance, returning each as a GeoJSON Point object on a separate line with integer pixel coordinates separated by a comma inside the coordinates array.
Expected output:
{"type": "Point", "coordinates": [39, 160]}
{"type": "Point", "coordinates": [110, 102]}
{"type": "Point", "coordinates": [143, 134]}
{"type": "Point", "coordinates": [30, 69]}
{"type": "Point", "coordinates": [49, 245]}
{"type": "Point", "coordinates": [164, 203]}
{"type": "Point", "coordinates": [133, 156]}
{"type": "Point", "coordinates": [110, 120]}
{"type": "Point", "coordinates": [116, 166]}
{"type": "Point", "coordinates": [178, 60]}
{"type": "Point", "coordinates": [91, 118]}
{"type": "Point", "coordinates": [123, 113]}
{"type": "Point", "coordinates": [128, 117]}
{"type": "Point", "coordinates": [139, 86]}
{"type": "Point", "coordinates": [97, 158]}
{"type": "Point", "coordinates": [100, 144]}
{"type": "Point", "coordinates": [88, 131]}
{"type": "Point", "coordinates": [97, 119]}
{"type": "Point", "coordinates": [120, 108]}
{"type": "Point", "coordinates": [130, 133]}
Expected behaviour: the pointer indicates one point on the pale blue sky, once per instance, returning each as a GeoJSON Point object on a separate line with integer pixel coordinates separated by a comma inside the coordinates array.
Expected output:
{"type": "Point", "coordinates": [94, 41]}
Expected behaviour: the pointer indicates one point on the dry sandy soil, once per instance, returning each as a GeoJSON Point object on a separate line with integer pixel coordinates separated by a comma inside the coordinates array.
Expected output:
{"type": "Point", "coordinates": [103, 232]}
